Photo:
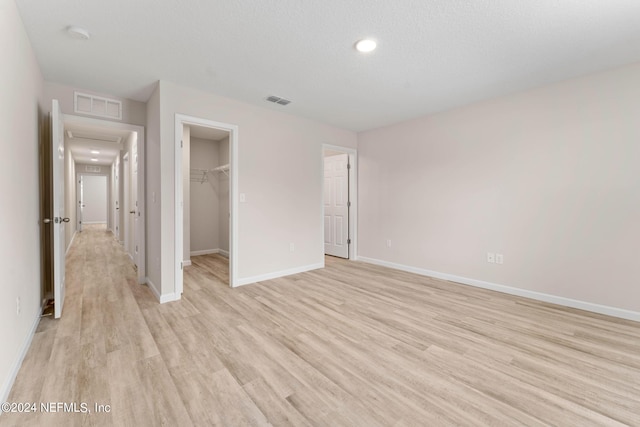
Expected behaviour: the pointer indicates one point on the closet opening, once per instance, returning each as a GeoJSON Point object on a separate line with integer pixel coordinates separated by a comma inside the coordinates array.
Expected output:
{"type": "Point", "coordinates": [204, 204]}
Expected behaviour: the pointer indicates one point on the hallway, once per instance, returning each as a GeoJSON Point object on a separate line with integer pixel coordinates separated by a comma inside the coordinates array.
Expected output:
{"type": "Point", "coordinates": [99, 348]}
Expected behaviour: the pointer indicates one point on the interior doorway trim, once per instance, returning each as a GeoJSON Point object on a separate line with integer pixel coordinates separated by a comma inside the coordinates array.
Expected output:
{"type": "Point", "coordinates": [87, 121]}
{"type": "Point", "coordinates": [180, 121]}
{"type": "Point", "coordinates": [353, 197]}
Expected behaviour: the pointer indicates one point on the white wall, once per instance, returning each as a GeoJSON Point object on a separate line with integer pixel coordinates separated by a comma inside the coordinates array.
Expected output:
{"type": "Point", "coordinates": [550, 178]}
{"type": "Point", "coordinates": [22, 123]}
{"type": "Point", "coordinates": [279, 171]}
{"type": "Point", "coordinates": [153, 193]}
{"type": "Point", "coordinates": [223, 196]}
{"type": "Point", "coordinates": [186, 193]}
{"type": "Point", "coordinates": [204, 203]}
{"type": "Point", "coordinates": [94, 190]}
{"type": "Point", "coordinates": [70, 196]}
{"type": "Point", "coordinates": [133, 112]}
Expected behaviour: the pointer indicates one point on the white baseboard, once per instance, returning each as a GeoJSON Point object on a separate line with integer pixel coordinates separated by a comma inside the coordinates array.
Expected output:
{"type": "Point", "coordinates": [223, 253]}
{"type": "Point", "coordinates": [13, 373]}
{"type": "Point", "coordinates": [169, 297]}
{"type": "Point", "coordinates": [162, 298]}
{"type": "Point", "coordinates": [276, 274]}
{"type": "Point", "coordinates": [186, 262]}
{"type": "Point", "coordinates": [209, 251]}
{"type": "Point", "coordinates": [94, 222]}
{"type": "Point", "coordinates": [153, 288]}
{"type": "Point", "coordinates": [567, 302]}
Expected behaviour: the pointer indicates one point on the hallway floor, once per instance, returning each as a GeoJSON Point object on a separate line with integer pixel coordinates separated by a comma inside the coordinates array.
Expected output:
{"type": "Point", "coordinates": [352, 344]}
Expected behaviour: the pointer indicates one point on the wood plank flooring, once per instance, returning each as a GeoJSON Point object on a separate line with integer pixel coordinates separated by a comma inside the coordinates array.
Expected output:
{"type": "Point", "coordinates": [350, 345]}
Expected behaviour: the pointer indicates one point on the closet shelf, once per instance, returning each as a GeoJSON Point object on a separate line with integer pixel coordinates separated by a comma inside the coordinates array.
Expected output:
{"type": "Point", "coordinates": [201, 175]}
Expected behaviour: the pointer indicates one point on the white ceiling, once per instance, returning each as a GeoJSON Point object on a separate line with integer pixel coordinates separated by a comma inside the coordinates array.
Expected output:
{"type": "Point", "coordinates": [432, 54]}
{"type": "Point", "coordinates": [81, 139]}
{"type": "Point", "coordinates": [207, 133]}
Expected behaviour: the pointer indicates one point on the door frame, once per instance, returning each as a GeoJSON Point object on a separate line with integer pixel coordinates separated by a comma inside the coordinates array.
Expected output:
{"type": "Point", "coordinates": [180, 121]}
{"type": "Point", "coordinates": [353, 197]}
{"type": "Point", "coordinates": [141, 233]}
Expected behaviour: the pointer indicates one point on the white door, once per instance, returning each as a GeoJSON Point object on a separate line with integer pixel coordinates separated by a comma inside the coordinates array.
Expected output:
{"type": "Point", "coordinates": [126, 171]}
{"type": "Point", "coordinates": [116, 198]}
{"type": "Point", "coordinates": [58, 220]}
{"type": "Point", "coordinates": [80, 196]}
{"type": "Point", "coordinates": [336, 205]}
{"type": "Point", "coordinates": [134, 203]}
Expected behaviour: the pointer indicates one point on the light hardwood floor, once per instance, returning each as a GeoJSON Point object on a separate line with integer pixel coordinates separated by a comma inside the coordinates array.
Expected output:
{"type": "Point", "coordinates": [350, 345]}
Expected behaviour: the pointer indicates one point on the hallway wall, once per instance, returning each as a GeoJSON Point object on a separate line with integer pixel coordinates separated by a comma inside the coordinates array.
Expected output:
{"type": "Point", "coordinates": [70, 196]}
{"type": "Point", "coordinates": [23, 124]}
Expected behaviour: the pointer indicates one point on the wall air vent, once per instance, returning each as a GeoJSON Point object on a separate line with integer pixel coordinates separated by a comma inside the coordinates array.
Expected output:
{"type": "Point", "coordinates": [97, 106]}
{"type": "Point", "coordinates": [92, 168]}
{"type": "Point", "coordinates": [278, 100]}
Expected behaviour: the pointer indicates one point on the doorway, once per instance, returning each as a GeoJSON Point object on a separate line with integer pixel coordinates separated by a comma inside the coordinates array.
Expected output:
{"type": "Point", "coordinates": [215, 170]}
{"type": "Point", "coordinates": [92, 200]}
{"type": "Point", "coordinates": [339, 201]}
{"type": "Point", "coordinates": [97, 147]}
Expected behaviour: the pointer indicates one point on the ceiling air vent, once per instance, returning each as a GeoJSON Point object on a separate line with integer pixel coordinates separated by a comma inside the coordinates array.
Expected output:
{"type": "Point", "coordinates": [278, 100]}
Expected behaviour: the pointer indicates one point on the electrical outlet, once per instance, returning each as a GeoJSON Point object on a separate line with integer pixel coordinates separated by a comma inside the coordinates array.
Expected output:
{"type": "Point", "coordinates": [292, 247]}
{"type": "Point", "coordinates": [491, 257]}
{"type": "Point", "coordinates": [388, 243]}
{"type": "Point", "coordinates": [499, 259]}
{"type": "Point", "coordinates": [18, 306]}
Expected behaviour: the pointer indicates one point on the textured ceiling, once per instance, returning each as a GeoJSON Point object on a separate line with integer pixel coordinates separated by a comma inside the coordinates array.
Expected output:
{"type": "Point", "coordinates": [432, 54]}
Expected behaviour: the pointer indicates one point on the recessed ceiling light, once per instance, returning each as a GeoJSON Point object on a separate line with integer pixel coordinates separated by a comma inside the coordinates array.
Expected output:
{"type": "Point", "coordinates": [366, 45]}
{"type": "Point", "coordinates": [94, 160]}
{"type": "Point", "coordinates": [78, 33]}
{"type": "Point", "coordinates": [95, 152]}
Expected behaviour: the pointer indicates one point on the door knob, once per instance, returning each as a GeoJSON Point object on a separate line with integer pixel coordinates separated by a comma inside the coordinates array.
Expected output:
{"type": "Point", "coordinates": [46, 220]}
{"type": "Point", "coordinates": [65, 220]}
{"type": "Point", "coordinates": [132, 212]}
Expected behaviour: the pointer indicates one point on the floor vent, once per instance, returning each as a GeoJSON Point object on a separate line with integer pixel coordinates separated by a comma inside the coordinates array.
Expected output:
{"type": "Point", "coordinates": [278, 100]}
